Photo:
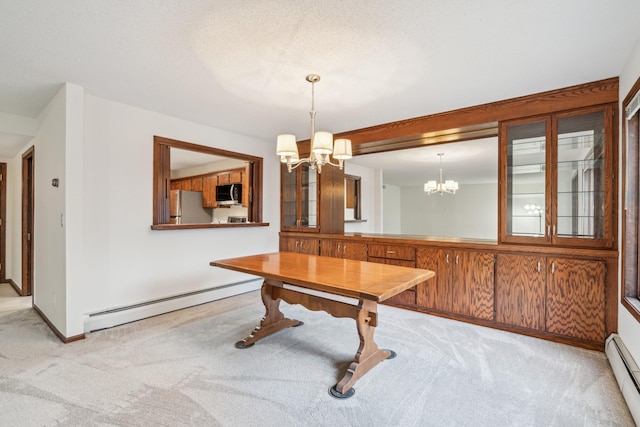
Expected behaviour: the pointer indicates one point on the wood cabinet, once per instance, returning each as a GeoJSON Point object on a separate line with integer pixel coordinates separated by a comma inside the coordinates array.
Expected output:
{"type": "Point", "coordinates": [209, 183]}
{"type": "Point", "coordinates": [543, 293]}
{"type": "Point", "coordinates": [343, 249]}
{"type": "Point", "coordinates": [312, 201]}
{"type": "Point", "coordinates": [563, 296]}
{"type": "Point", "coordinates": [223, 178]}
{"type": "Point", "coordinates": [246, 188]}
{"type": "Point", "coordinates": [575, 304]}
{"type": "Point", "coordinates": [520, 290]}
{"type": "Point", "coordinates": [396, 252]}
{"type": "Point", "coordinates": [196, 184]}
{"type": "Point", "coordinates": [434, 293]}
{"type": "Point", "coordinates": [404, 256]}
{"type": "Point", "coordinates": [464, 282]}
{"type": "Point", "coordinates": [557, 179]}
{"type": "Point", "coordinates": [303, 245]}
{"type": "Point", "coordinates": [185, 184]}
{"type": "Point", "coordinates": [235, 177]}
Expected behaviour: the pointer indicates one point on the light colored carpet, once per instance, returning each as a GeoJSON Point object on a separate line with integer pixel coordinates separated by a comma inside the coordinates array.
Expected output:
{"type": "Point", "coordinates": [182, 369]}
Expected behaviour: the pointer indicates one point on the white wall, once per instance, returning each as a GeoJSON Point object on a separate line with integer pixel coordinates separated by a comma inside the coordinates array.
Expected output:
{"type": "Point", "coordinates": [471, 213]}
{"type": "Point", "coordinates": [125, 261]}
{"type": "Point", "coordinates": [391, 209]}
{"type": "Point", "coordinates": [94, 248]}
{"type": "Point", "coordinates": [628, 326]}
{"type": "Point", "coordinates": [370, 187]}
{"type": "Point", "coordinates": [50, 255]}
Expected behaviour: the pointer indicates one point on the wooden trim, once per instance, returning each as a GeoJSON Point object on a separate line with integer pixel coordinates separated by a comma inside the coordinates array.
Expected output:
{"type": "Point", "coordinates": [573, 97]}
{"type": "Point", "coordinates": [631, 308]}
{"type": "Point", "coordinates": [3, 221]}
{"type": "Point", "coordinates": [55, 330]}
{"type": "Point", "coordinates": [624, 294]}
{"type": "Point", "coordinates": [198, 226]}
{"type": "Point", "coordinates": [162, 180]}
{"type": "Point", "coordinates": [28, 190]}
{"type": "Point", "coordinates": [204, 149]}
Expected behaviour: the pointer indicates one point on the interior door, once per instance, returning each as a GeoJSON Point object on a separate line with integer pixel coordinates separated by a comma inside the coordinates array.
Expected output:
{"type": "Point", "coordinates": [27, 221]}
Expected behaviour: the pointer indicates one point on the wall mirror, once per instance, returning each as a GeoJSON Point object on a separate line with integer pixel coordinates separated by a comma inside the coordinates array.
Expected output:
{"type": "Point", "coordinates": [394, 200]}
{"type": "Point", "coordinates": [196, 186]}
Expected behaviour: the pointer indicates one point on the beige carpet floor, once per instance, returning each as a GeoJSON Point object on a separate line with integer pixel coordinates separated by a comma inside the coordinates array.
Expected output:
{"type": "Point", "coordinates": [182, 369]}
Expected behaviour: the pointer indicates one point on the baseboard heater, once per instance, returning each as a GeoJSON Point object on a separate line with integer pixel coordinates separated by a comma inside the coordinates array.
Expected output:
{"type": "Point", "coordinates": [626, 372]}
{"type": "Point", "coordinates": [121, 315]}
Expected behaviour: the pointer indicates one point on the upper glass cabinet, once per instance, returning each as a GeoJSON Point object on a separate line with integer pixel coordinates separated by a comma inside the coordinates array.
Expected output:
{"type": "Point", "coordinates": [300, 199]}
{"type": "Point", "coordinates": [526, 166]}
{"type": "Point", "coordinates": [554, 174]}
{"type": "Point", "coordinates": [580, 176]}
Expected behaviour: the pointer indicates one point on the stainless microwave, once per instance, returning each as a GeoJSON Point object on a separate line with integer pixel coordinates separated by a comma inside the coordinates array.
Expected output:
{"type": "Point", "coordinates": [229, 194]}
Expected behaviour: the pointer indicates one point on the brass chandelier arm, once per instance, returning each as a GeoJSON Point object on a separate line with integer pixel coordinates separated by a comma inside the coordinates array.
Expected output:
{"type": "Point", "coordinates": [322, 143]}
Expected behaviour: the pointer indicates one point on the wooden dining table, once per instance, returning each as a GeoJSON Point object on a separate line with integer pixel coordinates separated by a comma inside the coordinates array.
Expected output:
{"type": "Point", "coordinates": [368, 282]}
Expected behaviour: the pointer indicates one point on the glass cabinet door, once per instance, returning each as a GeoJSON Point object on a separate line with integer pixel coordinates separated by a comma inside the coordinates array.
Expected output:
{"type": "Point", "coordinates": [299, 198]}
{"type": "Point", "coordinates": [524, 181]}
{"type": "Point", "coordinates": [580, 179]}
{"type": "Point", "coordinates": [554, 174]}
{"type": "Point", "coordinates": [289, 198]}
{"type": "Point", "coordinates": [309, 205]}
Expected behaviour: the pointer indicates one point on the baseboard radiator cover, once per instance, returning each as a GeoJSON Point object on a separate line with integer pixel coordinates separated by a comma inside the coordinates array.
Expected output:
{"type": "Point", "coordinates": [121, 315]}
{"type": "Point", "coordinates": [626, 372]}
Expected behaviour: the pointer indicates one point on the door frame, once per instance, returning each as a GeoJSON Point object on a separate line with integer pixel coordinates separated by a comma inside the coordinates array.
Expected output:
{"type": "Point", "coordinates": [28, 163]}
{"type": "Point", "coordinates": [3, 222]}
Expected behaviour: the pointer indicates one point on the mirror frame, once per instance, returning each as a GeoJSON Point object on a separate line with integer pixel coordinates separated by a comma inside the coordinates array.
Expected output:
{"type": "Point", "coordinates": [162, 183]}
{"type": "Point", "coordinates": [357, 205]}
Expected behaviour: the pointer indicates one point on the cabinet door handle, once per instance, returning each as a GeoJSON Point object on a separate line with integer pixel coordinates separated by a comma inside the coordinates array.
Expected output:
{"type": "Point", "coordinates": [456, 259]}
{"type": "Point", "coordinates": [538, 266]}
{"type": "Point", "coordinates": [297, 244]}
{"type": "Point", "coordinates": [338, 248]}
{"type": "Point", "coordinates": [301, 244]}
{"type": "Point", "coordinates": [391, 252]}
{"type": "Point", "coordinates": [447, 258]}
{"type": "Point", "coordinates": [553, 267]}
{"type": "Point", "coordinates": [554, 229]}
{"type": "Point", "coordinates": [548, 230]}
{"type": "Point", "coordinates": [344, 248]}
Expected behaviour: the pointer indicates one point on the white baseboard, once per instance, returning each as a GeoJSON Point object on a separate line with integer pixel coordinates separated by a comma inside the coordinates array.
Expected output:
{"type": "Point", "coordinates": [626, 372]}
{"type": "Point", "coordinates": [121, 315]}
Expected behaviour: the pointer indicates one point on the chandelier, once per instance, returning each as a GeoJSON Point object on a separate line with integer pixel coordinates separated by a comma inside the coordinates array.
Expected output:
{"type": "Point", "coordinates": [448, 186]}
{"type": "Point", "coordinates": [322, 144]}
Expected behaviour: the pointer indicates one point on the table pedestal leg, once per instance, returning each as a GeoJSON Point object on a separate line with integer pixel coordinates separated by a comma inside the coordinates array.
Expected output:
{"type": "Point", "coordinates": [273, 320]}
{"type": "Point", "coordinates": [368, 355]}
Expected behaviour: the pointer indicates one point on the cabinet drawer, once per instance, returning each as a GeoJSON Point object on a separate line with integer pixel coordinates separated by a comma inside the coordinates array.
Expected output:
{"type": "Point", "coordinates": [392, 252]}
{"type": "Point", "coordinates": [401, 263]}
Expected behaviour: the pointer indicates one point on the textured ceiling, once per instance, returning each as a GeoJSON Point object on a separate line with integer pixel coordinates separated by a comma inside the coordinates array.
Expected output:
{"type": "Point", "coordinates": [241, 65]}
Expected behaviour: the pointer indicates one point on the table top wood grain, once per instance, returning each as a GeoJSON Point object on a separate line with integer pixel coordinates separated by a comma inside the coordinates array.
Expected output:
{"type": "Point", "coordinates": [350, 278]}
